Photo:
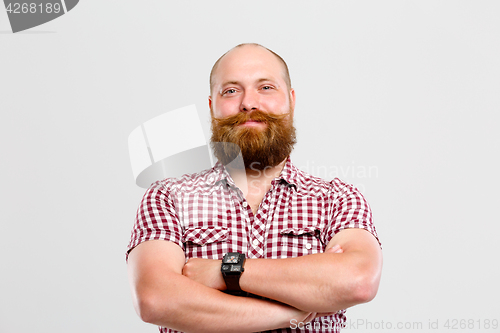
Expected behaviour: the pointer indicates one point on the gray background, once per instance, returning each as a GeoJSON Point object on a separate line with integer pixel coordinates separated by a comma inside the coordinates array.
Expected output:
{"type": "Point", "coordinates": [399, 98]}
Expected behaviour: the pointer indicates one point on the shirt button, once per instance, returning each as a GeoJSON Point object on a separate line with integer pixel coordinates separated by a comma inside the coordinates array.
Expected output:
{"type": "Point", "coordinates": [308, 246]}
{"type": "Point", "coordinates": [245, 204]}
{"type": "Point", "coordinates": [255, 242]}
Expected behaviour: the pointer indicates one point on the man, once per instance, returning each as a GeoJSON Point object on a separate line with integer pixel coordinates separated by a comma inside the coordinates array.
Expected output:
{"type": "Point", "coordinates": [311, 248]}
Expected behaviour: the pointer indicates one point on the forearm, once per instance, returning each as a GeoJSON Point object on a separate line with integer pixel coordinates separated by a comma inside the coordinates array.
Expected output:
{"type": "Point", "coordinates": [163, 296]}
{"type": "Point", "coordinates": [188, 306]}
{"type": "Point", "coordinates": [325, 282]}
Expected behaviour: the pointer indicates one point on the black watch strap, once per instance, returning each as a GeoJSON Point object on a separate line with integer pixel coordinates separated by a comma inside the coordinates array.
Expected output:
{"type": "Point", "coordinates": [231, 269]}
{"type": "Point", "coordinates": [232, 282]}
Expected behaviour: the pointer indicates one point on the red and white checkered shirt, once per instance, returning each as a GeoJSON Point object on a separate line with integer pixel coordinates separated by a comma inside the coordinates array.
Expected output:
{"type": "Point", "coordinates": [208, 216]}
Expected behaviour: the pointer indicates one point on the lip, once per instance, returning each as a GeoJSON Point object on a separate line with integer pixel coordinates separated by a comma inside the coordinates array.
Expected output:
{"type": "Point", "coordinates": [252, 123]}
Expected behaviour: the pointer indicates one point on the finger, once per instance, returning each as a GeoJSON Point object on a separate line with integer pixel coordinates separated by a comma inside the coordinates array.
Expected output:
{"type": "Point", "coordinates": [335, 249]}
{"type": "Point", "coordinates": [310, 317]}
{"type": "Point", "coordinates": [332, 249]}
{"type": "Point", "coordinates": [324, 314]}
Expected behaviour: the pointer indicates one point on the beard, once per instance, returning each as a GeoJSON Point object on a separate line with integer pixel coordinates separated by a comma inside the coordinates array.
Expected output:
{"type": "Point", "coordinates": [260, 147]}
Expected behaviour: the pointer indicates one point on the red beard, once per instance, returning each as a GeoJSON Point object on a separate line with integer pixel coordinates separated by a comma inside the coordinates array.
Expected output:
{"type": "Point", "coordinates": [260, 148]}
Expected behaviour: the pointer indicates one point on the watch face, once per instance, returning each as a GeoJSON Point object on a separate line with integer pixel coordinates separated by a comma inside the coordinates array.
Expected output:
{"type": "Point", "coordinates": [232, 258]}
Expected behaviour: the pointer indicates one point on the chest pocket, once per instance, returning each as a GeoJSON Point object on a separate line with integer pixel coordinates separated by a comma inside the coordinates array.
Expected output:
{"type": "Point", "coordinates": [208, 242]}
{"type": "Point", "coordinates": [296, 242]}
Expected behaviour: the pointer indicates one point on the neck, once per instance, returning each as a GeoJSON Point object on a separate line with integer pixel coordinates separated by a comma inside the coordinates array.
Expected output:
{"type": "Point", "coordinates": [251, 180]}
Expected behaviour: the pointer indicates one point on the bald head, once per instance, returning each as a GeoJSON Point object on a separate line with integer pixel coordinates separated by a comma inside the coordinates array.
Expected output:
{"type": "Point", "coordinates": [242, 47]}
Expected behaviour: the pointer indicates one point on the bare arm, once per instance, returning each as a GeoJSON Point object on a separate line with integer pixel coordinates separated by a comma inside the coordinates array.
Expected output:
{"type": "Point", "coordinates": [163, 296]}
{"type": "Point", "coordinates": [323, 282]}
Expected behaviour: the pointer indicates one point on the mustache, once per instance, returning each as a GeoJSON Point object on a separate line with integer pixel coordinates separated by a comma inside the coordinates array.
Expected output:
{"type": "Point", "coordinates": [256, 115]}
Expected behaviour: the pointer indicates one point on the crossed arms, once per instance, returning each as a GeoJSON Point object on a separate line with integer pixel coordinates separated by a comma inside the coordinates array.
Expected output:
{"type": "Point", "coordinates": [187, 297]}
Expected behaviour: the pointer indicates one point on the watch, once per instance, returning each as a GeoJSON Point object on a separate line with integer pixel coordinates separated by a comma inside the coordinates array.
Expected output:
{"type": "Point", "coordinates": [231, 268]}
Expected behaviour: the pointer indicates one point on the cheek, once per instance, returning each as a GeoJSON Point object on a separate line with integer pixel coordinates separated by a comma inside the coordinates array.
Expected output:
{"type": "Point", "coordinates": [281, 105]}
{"type": "Point", "coordinates": [225, 108]}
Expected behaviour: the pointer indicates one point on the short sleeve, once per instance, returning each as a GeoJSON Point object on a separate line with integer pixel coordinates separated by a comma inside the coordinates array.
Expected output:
{"type": "Point", "coordinates": [348, 208]}
{"type": "Point", "coordinates": [156, 217]}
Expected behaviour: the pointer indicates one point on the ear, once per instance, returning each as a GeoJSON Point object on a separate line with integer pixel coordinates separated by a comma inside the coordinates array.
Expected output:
{"type": "Point", "coordinates": [210, 104]}
{"type": "Point", "coordinates": [292, 100]}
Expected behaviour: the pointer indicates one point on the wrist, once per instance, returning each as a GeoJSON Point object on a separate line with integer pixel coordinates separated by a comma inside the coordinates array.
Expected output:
{"type": "Point", "coordinates": [232, 268]}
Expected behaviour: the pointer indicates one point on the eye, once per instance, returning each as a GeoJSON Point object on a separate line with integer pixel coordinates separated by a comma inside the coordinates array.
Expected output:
{"type": "Point", "coordinates": [229, 91]}
{"type": "Point", "coordinates": [267, 87]}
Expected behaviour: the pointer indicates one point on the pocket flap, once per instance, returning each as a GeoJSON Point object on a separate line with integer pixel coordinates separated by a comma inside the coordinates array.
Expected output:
{"type": "Point", "coordinates": [299, 231]}
{"type": "Point", "coordinates": [205, 235]}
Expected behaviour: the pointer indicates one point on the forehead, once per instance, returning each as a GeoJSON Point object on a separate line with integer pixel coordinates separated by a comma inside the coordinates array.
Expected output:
{"type": "Point", "coordinates": [248, 62]}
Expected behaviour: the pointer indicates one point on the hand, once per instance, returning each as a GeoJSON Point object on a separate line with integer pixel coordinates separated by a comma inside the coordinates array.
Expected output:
{"type": "Point", "coordinates": [335, 249]}
{"type": "Point", "coordinates": [206, 272]}
{"type": "Point", "coordinates": [291, 315]}
{"type": "Point", "coordinates": [313, 315]}
{"type": "Point", "coordinates": [324, 314]}
{"type": "Point", "coordinates": [306, 317]}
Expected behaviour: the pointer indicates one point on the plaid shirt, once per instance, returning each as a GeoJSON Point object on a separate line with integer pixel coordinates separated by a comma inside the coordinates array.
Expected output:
{"type": "Point", "coordinates": [208, 216]}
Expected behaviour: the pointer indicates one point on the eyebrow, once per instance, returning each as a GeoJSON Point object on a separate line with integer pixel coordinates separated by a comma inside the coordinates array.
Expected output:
{"type": "Point", "coordinates": [258, 81]}
{"type": "Point", "coordinates": [229, 82]}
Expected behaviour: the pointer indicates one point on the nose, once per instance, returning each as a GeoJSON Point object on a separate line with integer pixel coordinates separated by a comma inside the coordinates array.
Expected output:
{"type": "Point", "coordinates": [250, 101]}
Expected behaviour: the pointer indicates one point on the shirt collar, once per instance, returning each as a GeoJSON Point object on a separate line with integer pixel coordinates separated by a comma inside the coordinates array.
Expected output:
{"type": "Point", "coordinates": [289, 174]}
{"type": "Point", "coordinates": [220, 175]}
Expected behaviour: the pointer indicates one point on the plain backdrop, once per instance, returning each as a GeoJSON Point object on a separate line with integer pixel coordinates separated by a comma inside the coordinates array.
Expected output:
{"type": "Point", "coordinates": [400, 98]}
